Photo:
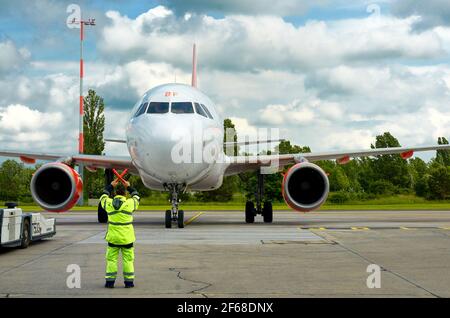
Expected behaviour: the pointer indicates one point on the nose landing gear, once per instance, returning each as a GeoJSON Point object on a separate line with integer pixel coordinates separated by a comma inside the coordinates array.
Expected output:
{"type": "Point", "coordinates": [174, 215]}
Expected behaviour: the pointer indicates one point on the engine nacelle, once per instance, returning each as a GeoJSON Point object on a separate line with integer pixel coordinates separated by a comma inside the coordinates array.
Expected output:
{"type": "Point", "coordinates": [305, 187]}
{"type": "Point", "coordinates": [56, 187]}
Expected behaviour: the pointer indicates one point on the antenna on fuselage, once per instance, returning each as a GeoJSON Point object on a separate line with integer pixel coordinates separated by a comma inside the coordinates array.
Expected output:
{"type": "Point", "coordinates": [194, 66]}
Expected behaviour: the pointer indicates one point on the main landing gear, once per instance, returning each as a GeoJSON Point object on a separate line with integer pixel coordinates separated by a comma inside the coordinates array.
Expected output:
{"type": "Point", "coordinates": [174, 215]}
{"type": "Point", "coordinates": [265, 210]}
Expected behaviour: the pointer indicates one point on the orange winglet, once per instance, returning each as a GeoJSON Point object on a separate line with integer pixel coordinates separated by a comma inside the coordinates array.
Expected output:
{"type": "Point", "coordinates": [407, 154]}
{"type": "Point", "coordinates": [28, 160]}
{"type": "Point", "coordinates": [343, 160]}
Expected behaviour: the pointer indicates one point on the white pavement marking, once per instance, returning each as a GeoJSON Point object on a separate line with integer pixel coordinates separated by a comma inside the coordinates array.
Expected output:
{"type": "Point", "coordinates": [235, 235]}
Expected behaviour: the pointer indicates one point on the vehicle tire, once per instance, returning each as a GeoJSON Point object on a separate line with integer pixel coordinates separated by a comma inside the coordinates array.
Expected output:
{"type": "Point", "coordinates": [267, 212]}
{"type": "Point", "coordinates": [168, 219]}
{"type": "Point", "coordinates": [101, 214]}
{"type": "Point", "coordinates": [180, 219]}
{"type": "Point", "coordinates": [249, 212]}
{"type": "Point", "coordinates": [26, 235]}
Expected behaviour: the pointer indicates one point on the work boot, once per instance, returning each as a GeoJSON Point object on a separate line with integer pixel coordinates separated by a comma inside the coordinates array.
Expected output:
{"type": "Point", "coordinates": [109, 284]}
{"type": "Point", "coordinates": [129, 284]}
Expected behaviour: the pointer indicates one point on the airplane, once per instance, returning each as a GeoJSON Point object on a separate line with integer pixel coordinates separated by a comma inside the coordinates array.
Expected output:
{"type": "Point", "coordinates": [165, 124]}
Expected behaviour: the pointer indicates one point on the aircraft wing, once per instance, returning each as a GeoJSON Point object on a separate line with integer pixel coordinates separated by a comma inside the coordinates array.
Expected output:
{"type": "Point", "coordinates": [241, 164]}
{"type": "Point", "coordinates": [92, 161]}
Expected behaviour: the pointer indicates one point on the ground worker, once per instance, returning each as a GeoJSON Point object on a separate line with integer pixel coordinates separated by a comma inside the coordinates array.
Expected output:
{"type": "Point", "coordinates": [120, 233]}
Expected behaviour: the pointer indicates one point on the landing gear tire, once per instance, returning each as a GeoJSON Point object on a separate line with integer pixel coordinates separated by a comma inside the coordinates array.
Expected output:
{"type": "Point", "coordinates": [25, 241]}
{"type": "Point", "coordinates": [102, 215]}
{"type": "Point", "coordinates": [249, 212]}
{"type": "Point", "coordinates": [180, 219]}
{"type": "Point", "coordinates": [168, 219]}
{"type": "Point", "coordinates": [267, 212]}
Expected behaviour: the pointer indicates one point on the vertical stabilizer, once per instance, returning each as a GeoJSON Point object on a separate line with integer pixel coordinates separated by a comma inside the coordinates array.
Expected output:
{"type": "Point", "coordinates": [194, 66]}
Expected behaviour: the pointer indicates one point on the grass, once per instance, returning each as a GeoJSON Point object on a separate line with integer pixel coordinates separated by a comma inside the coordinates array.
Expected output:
{"type": "Point", "coordinates": [388, 207]}
{"type": "Point", "coordinates": [398, 202]}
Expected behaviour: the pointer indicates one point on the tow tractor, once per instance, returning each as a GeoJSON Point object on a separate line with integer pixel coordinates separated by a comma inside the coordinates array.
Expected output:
{"type": "Point", "coordinates": [18, 229]}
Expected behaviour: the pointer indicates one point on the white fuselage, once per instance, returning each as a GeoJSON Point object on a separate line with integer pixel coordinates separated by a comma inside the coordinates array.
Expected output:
{"type": "Point", "coordinates": [170, 143]}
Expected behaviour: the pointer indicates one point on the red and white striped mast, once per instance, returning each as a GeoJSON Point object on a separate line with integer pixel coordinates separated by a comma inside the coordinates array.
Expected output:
{"type": "Point", "coordinates": [194, 66]}
{"type": "Point", "coordinates": [89, 22]}
{"type": "Point", "coordinates": [81, 135]}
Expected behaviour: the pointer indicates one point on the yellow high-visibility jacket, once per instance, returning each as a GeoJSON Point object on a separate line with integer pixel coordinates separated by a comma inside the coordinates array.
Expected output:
{"type": "Point", "coordinates": [120, 217]}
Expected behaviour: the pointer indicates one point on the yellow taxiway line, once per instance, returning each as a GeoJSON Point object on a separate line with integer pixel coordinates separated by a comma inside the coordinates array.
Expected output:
{"type": "Point", "coordinates": [359, 228]}
{"type": "Point", "coordinates": [314, 228]}
{"type": "Point", "coordinates": [193, 218]}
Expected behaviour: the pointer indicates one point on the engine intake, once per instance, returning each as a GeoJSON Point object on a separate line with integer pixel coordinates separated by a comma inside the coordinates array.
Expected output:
{"type": "Point", "coordinates": [56, 187]}
{"type": "Point", "coordinates": [305, 187]}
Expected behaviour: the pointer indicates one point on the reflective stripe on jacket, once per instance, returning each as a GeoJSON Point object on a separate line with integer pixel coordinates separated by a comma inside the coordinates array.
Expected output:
{"type": "Point", "coordinates": [120, 218]}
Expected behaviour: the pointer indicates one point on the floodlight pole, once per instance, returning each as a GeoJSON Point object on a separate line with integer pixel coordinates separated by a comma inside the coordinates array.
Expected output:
{"type": "Point", "coordinates": [81, 117]}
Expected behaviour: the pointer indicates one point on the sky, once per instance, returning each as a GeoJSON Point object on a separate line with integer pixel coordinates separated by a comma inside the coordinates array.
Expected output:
{"type": "Point", "coordinates": [329, 74]}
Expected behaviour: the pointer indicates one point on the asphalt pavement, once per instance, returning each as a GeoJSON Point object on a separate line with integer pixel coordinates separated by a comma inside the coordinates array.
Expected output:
{"type": "Point", "coordinates": [319, 254]}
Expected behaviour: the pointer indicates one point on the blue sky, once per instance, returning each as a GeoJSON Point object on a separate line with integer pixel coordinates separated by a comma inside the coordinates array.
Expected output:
{"type": "Point", "coordinates": [330, 75]}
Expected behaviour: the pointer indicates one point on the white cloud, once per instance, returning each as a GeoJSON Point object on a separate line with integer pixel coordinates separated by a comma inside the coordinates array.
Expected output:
{"type": "Point", "coordinates": [264, 42]}
{"type": "Point", "coordinates": [420, 127]}
{"type": "Point", "coordinates": [115, 124]}
{"type": "Point", "coordinates": [392, 89]}
{"type": "Point", "coordinates": [335, 112]}
{"type": "Point", "coordinates": [11, 57]}
{"type": "Point", "coordinates": [431, 12]}
{"type": "Point", "coordinates": [22, 127]}
{"type": "Point", "coordinates": [244, 128]}
{"type": "Point", "coordinates": [54, 92]}
{"type": "Point", "coordinates": [301, 112]}
{"type": "Point", "coordinates": [17, 118]}
{"type": "Point", "coordinates": [143, 76]}
{"type": "Point", "coordinates": [247, 92]}
{"type": "Point", "coordinates": [346, 140]}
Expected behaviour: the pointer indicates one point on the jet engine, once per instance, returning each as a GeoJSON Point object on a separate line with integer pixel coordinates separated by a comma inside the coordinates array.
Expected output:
{"type": "Point", "coordinates": [305, 187]}
{"type": "Point", "coordinates": [56, 187]}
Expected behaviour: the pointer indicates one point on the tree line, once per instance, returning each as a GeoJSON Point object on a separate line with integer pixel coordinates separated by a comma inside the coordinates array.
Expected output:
{"type": "Point", "coordinates": [358, 180]}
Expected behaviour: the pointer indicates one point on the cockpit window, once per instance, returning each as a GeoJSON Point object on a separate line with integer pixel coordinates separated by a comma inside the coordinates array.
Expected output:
{"type": "Point", "coordinates": [200, 110]}
{"type": "Point", "coordinates": [207, 111]}
{"type": "Point", "coordinates": [158, 108]}
{"type": "Point", "coordinates": [141, 109]}
{"type": "Point", "coordinates": [182, 108]}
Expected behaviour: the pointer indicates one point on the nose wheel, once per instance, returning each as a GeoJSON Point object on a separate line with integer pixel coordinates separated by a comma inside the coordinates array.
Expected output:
{"type": "Point", "coordinates": [178, 218]}
{"type": "Point", "coordinates": [174, 215]}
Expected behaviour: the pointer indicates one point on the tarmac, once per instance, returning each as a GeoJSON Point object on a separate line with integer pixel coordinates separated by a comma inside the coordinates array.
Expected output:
{"type": "Point", "coordinates": [318, 254]}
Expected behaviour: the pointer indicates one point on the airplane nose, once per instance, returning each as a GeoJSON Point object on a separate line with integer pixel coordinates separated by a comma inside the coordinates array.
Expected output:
{"type": "Point", "coordinates": [169, 149]}
{"type": "Point", "coordinates": [166, 140]}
